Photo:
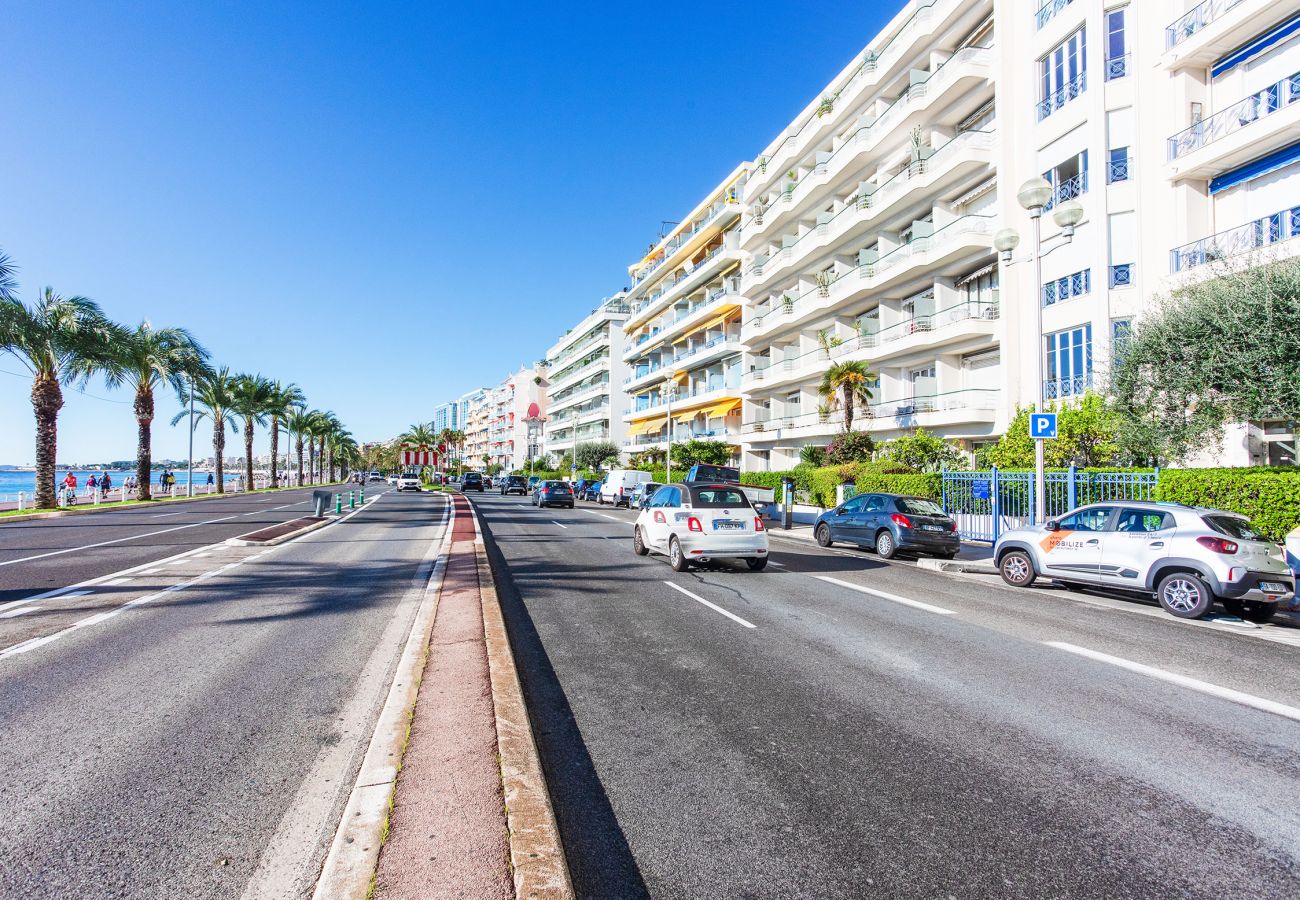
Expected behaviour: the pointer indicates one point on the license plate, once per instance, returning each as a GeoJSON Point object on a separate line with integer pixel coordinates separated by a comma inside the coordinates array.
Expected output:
{"type": "Point", "coordinates": [725, 524]}
{"type": "Point", "coordinates": [1272, 587]}
{"type": "Point", "coordinates": [933, 528]}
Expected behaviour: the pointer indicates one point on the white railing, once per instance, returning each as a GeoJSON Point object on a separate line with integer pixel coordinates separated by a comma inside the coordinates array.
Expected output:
{"type": "Point", "coordinates": [1236, 117]}
{"type": "Point", "coordinates": [1278, 227]}
{"type": "Point", "coordinates": [1048, 10]}
{"type": "Point", "coordinates": [1062, 95]}
{"type": "Point", "coordinates": [1186, 26]}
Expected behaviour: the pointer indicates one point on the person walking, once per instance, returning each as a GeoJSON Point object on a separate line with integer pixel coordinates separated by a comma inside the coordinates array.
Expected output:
{"type": "Point", "coordinates": [105, 484]}
{"type": "Point", "coordinates": [210, 482]}
{"type": "Point", "coordinates": [91, 484]}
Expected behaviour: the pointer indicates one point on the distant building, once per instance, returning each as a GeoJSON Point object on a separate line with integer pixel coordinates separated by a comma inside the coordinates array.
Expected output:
{"type": "Point", "coordinates": [586, 374]}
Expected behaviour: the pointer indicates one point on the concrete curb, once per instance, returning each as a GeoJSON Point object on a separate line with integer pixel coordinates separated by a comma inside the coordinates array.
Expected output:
{"type": "Point", "coordinates": [961, 567]}
{"type": "Point", "coordinates": [536, 851]}
{"type": "Point", "coordinates": [354, 854]}
{"type": "Point", "coordinates": [242, 540]}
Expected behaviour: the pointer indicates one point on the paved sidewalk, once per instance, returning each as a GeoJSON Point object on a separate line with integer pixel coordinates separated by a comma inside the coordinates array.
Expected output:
{"type": "Point", "coordinates": [447, 829]}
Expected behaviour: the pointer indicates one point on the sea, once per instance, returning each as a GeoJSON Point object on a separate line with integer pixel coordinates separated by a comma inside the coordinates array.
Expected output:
{"type": "Point", "coordinates": [12, 482]}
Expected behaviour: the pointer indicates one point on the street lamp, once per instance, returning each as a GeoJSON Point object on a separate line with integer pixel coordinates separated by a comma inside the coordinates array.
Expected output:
{"type": "Point", "coordinates": [1033, 196]}
{"type": "Point", "coordinates": [669, 390]}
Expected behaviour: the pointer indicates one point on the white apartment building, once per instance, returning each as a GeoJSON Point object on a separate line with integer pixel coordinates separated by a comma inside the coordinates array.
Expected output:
{"type": "Point", "coordinates": [869, 221]}
{"type": "Point", "coordinates": [586, 371]}
{"type": "Point", "coordinates": [868, 236]}
{"type": "Point", "coordinates": [477, 416]}
{"type": "Point", "coordinates": [504, 419]}
{"type": "Point", "coordinates": [683, 333]}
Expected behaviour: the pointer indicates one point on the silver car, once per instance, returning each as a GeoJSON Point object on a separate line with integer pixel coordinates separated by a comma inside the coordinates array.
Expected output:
{"type": "Point", "coordinates": [1186, 556]}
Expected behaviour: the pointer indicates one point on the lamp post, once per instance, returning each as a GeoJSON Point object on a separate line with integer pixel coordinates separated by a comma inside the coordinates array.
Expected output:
{"type": "Point", "coordinates": [189, 478]}
{"type": "Point", "coordinates": [1034, 195]}
{"type": "Point", "coordinates": [670, 388]}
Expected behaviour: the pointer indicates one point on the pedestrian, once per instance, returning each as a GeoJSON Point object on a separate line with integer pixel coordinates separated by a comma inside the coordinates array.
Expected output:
{"type": "Point", "coordinates": [128, 486]}
{"type": "Point", "coordinates": [70, 489]}
{"type": "Point", "coordinates": [209, 482]}
{"type": "Point", "coordinates": [105, 484]}
{"type": "Point", "coordinates": [91, 484]}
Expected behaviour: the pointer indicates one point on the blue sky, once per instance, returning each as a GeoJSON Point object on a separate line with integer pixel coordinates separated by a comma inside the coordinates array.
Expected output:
{"type": "Point", "coordinates": [388, 205]}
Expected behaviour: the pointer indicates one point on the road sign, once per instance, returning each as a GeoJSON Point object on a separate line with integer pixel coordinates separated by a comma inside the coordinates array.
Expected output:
{"type": "Point", "coordinates": [1042, 426]}
{"type": "Point", "coordinates": [980, 489]}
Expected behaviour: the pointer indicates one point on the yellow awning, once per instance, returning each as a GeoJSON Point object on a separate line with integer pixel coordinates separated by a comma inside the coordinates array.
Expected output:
{"type": "Point", "coordinates": [685, 417]}
{"type": "Point", "coordinates": [719, 410]}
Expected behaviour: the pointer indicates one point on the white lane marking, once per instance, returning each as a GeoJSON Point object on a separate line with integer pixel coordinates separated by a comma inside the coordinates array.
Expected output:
{"type": "Point", "coordinates": [14, 613]}
{"type": "Point", "coordinates": [712, 606]}
{"type": "Point", "coordinates": [138, 569]}
{"type": "Point", "coordinates": [772, 562]}
{"type": "Point", "coordinates": [116, 581]}
{"type": "Point", "coordinates": [562, 526]}
{"type": "Point", "coordinates": [149, 572]}
{"type": "Point", "coordinates": [286, 506]}
{"type": "Point", "coordinates": [76, 594]}
{"type": "Point", "coordinates": [253, 513]}
{"type": "Point", "coordinates": [177, 562]}
{"type": "Point", "coordinates": [134, 537]}
{"type": "Point", "coordinates": [884, 595]}
{"type": "Point", "coordinates": [1214, 690]}
{"type": "Point", "coordinates": [165, 515]}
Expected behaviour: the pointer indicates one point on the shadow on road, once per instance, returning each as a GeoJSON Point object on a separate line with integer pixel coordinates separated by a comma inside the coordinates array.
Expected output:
{"type": "Point", "coordinates": [604, 867]}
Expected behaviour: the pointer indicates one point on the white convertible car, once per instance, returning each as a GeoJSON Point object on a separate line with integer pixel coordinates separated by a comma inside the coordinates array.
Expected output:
{"type": "Point", "coordinates": [692, 523]}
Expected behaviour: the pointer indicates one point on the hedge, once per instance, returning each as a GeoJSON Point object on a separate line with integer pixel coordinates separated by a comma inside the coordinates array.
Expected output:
{"type": "Point", "coordinates": [1269, 496]}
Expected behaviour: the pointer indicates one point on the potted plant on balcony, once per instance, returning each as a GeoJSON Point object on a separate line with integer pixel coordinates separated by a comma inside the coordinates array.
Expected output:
{"type": "Point", "coordinates": [824, 280]}
{"type": "Point", "coordinates": [788, 303]}
{"type": "Point", "coordinates": [826, 105]}
{"type": "Point", "coordinates": [823, 413]}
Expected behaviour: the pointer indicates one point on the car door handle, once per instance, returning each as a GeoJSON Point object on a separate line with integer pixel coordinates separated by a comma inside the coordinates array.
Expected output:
{"type": "Point", "coordinates": [1095, 541]}
{"type": "Point", "coordinates": [1155, 544]}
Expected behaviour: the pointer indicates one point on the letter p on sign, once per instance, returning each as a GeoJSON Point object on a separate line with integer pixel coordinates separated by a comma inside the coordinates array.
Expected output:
{"type": "Point", "coordinates": [1042, 426]}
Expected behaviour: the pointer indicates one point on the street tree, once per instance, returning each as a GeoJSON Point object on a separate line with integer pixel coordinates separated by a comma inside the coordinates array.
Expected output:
{"type": "Point", "coordinates": [594, 454]}
{"type": "Point", "coordinates": [923, 451]}
{"type": "Point", "coordinates": [1086, 437]}
{"type": "Point", "coordinates": [253, 395]}
{"type": "Point", "coordinates": [712, 453]}
{"type": "Point", "coordinates": [283, 401]}
{"type": "Point", "coordinates": [214, 399]}
{"type": "Point", "coordinates": [848, 385]}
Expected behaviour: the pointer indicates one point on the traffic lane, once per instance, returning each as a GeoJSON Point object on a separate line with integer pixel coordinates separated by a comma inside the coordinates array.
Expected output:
{"type": "Point", "coordinates": [983, 742]}
{"type": "Point", "coordinates": [48, 554]}
{"type": "Point", "coordinates": [1244, 659]}
{"type": "Point", "coordinates": [154, 755]}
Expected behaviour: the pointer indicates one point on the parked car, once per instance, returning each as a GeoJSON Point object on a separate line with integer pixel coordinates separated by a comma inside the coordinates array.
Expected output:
{"type": "Point", "coordinates": [693, 523]}
{"type": "Point", "coordinates": [890, 524]}
{"type": "Point", "coordinates": [473, 481]}
{"type": "Point", "coordinates": [487, 482]}
{"type": "Point", "coordinates": [513, 484]}
{"type": "Point", "coordinates": [581, 485]}
{"type": "Point", "coordinates": [1186, 556]}
{"type": "Point", "coordinates": [641, 493]}
{"type": "Point", "coordinates": [618, 485]}
{"type": "Point", "coordinates": [553, 493]}
{"type": "Point", "coordinates": [592, 490]}
{"type": "Point", "coordinates": [408, 481]}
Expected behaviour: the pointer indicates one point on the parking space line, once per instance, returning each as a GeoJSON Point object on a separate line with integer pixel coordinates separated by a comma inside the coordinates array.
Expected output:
{"type": "Point", "coordinates": [562, 526]}
{"type": "Point", "coordinates": [15, 613]}
{"type": "Point", "coordinates": [1214, 690]}
{"type": "Point", "coordinates": [712, 606]}
{"type": "Point", "coordinates": [885, 595]}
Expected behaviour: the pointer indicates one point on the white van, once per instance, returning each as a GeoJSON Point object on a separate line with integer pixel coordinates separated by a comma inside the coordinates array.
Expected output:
{"type": "Point", "coordinates": [619, 484]}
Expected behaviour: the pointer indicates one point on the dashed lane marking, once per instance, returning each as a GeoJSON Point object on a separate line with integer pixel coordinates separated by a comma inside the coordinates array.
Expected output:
{"type": "Point", "coordinates": [713, 606]}
{"type": "Point", "coordinates": [884, 595]}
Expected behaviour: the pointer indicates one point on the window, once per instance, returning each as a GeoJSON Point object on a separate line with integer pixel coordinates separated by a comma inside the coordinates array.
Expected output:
{"type": "Point", "coordinates": [1067, 287]}
{"type": "Point", "coordinates": [981, 286]}
{"type": "Point", "coordinates": [1121, 330]}
{"type": "Point", "coordinates": [854, 504]}
{"type": "Point", "coordinates": [1117, 165]}
{"type": "Point", "coordinates": [1142, 521]}
{"type": "Point", "coordinates": [718, 498]}
{"type": "Point", "coordinates": [919, 506]}
{"type": "Point", "coordinates": [1063, 74]}
{"type": "Point", "coordinates": [1121, 275]}
{"type": "Point", "coordinates": [1068, 179]}
{"type": "Point", "coordinates": [876, 503]}
{"type": "Point", "coordinates": [1116, 47]}
{"type": "Point", "coordinates": [1093, 518]}
{"type": "Point", "coordinates": [1069, 362]}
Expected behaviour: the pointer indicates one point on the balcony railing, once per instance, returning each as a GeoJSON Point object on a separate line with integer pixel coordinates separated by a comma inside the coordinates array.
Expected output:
{"type": "Point", "coordinates": [1273, 229]}
{"type": "Point", "coordinates": [1195, 20]}
{"type": "Point", "coordinates": [1118, 168]}
{"type": "Point", "coordinates": [1062, 95]}
{"type": "Point", "coordinates": [1049, 9]}
{"type": "Point", "coordinates": [1069, 189]}
{"type": "Point", "coordinates": [891, 413]}
{"type": "Point", "coordinates": [703, 348]}
{"type": "Point", "coordinates": [703, 221]}
{"type": "Point", "coordinates": [1236, 117]}
{"type": "Point", "coordinates": [1121, 275]}
{"type": "Point", "coordinates": [1117, 67]}
{"type": "Point", "coordinates": [1069, 386]}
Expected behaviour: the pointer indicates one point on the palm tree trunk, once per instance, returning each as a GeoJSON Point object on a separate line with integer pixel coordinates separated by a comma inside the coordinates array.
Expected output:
{"type": "Point", "coordinates": [298, 447]}
{"type": "Point", "coordinates": [248, 451]}
{"type": "Point", "coordinates": [143, 438]}
{"type": "Point", "coordinates": [47, 400]}
{"type": "Point", "coordinates": [320, 459]}
{"type": "Point", "coordinates": [848, 409]}
{"type": "Point", "coordinates": [219, 450]}
{"type": "Point", "coordinates": [275, 448]}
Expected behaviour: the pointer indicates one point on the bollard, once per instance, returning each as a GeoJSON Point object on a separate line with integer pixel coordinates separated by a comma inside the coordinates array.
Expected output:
{"type": "Point", "coordinates": [352, 500]}
{"type": "Point", "coordinates": [338, 504]}
{"type": "Point", "coordinates": [362, 492]}
{"type": "Point", "coordinates": [21, 497]}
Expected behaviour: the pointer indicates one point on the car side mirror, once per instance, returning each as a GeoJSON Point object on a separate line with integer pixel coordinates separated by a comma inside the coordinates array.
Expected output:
{"type": "Point", "coordinates": [1052, 525]}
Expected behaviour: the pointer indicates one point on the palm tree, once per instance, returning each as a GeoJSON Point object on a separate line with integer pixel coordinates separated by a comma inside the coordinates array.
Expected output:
{"type": "Point", "coordinates": [285, 399]}
{"type": "Point", "coordinates": [252, 400]}
{"type": "Point", "coordinates": [419, 434]}
{"type": "Point", "coordinates": [323, 424]}
{"type": "Point", "coordinates": [59, 339]}
{"type": "Point", "coordinates": [299, 422]}
{"type": "Point", "coordinates": [147, 358]}
{"type": "Point", "coordinates": [848, 383]}
{"type": "Point", "coordinates": [214, 395]}
{"type": "Point", "coordinates": [458, 442]}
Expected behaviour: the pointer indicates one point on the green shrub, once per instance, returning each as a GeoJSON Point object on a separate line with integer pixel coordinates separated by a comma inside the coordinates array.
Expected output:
{"type": "Point", "coordinates": [1269, 496]}
{"type": "Point", "coordinates": [850, 446]}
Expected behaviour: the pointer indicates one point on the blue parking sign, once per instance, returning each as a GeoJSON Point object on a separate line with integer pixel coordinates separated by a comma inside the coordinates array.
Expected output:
{"type": "Point", "coordinates": [980, 489]}
{"type": "Point", "coordinates": [1042, 426]}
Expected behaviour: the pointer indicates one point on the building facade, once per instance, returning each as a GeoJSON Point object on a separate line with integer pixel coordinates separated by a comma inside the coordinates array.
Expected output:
{"type": "Point", "coordinates": [586, 371]}
{"type": "Point", "coordinates": [504, 420]}
{"type": "Point", "coordinates": [683, 333]}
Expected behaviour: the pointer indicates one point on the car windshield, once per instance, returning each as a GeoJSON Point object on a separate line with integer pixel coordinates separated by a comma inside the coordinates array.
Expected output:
{"type": "Point", "coordinates": [704, 472]}
{"type": "Point", "coordinates": [515, 479]}
{"type": "Point", "coordinates": [717, 497]}
{"type": "Point", "coordinates": [1241, 529]}
{"type": "Point", "coordinates": [556, 485]}
{"type": "Point", "coordinates": [919, 506]}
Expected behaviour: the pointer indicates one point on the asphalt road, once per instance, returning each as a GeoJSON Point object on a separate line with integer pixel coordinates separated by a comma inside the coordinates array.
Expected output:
{"type": "Point", "coordinates": [179, 737]}
{"type": "Point", "coordinates": [44, 554]}
{"type": "Point", "coordinates": [805, 737]}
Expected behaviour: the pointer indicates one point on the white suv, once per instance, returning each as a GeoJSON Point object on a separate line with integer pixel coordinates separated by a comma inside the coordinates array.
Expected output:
{"type": "Point", "coordinates": [408, 481]}
{"type": "Point", "coordinates": [1187, 556]}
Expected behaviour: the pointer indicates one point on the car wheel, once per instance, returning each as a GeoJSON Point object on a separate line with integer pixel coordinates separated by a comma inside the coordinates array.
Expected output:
{"type": "Point", "coordinates": [948, 555]}
{"type": "Point", "coordinates": [676, 558]}
{"type": "Point", "coordinates": [637, 544]}
{"type": "Point", "coordinates": [886, 548]}
{"type": "Point", "coordinates": [1185, 595]}
{"type": "Point", "coordinates": [1260, 611]}
{"type": "Point", "coordinates": [823, 535]}
{"type": "Point", "coordinates": [757, 564]}
{"type": "Point", "coordinates": [1017, 569]}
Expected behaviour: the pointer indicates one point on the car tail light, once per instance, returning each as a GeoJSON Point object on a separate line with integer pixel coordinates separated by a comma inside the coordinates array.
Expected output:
{"type": "Point", "coordinates": [1236, 573]}
{"type": "Point", "coordinates": [1218, 545]}
{"type": "Point", "coordinates": [900, 520]}
{"type": "Point", "coordinates": [693, 524]}
{"type": "Point", "coordinates": [758, 524]}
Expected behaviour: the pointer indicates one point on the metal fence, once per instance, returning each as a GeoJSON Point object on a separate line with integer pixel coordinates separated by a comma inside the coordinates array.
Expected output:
{"type": "Point", "coordinates": [985, 504]}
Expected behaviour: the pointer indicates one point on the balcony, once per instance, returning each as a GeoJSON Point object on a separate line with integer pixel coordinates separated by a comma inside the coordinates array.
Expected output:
{"type": "Point", "coordinates": [1062, 95]}
{"type": "Point", "coordinates": [717, 212]}
{"type": "Point", "coordinates": [578, 372]}
{"type": "Point", "coordinates": [1069, 386]}
{"type": "Point", "coordinates": [1266, 232]}
{"type": "Point", "coordinates": [930, 411]}
{"type": "Point", "coordinates": [687, 284]}
{"type": "Point", "coordinates": [585, 392]}
{"type": "Point", "coordinates": [1217, 27]}
{"type": "Point", "coordinates": [1048, 10]}
{"type": "Point", "coordinates": [683, 401]}
{"type": "Point", "coordinates": [1248, 129]}
{"type": "Point", "coordinates": [681, 322]}
{"type": "Point", "coordinates": [570, 352]}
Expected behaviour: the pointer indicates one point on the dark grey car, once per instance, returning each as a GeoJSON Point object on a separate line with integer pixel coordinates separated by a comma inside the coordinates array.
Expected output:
{"type": "Point", "coordinates": [890, 523]}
